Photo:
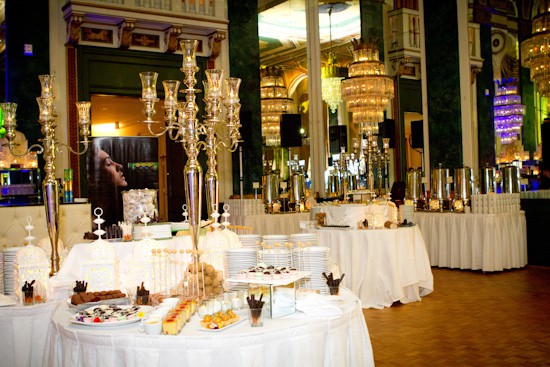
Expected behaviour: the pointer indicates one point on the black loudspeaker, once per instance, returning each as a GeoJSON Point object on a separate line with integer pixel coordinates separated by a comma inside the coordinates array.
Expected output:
{"type": "Point", "coordinates": [545, 137]}
{"type": "Point", "coordinates": [417, 134]}
{"type": "Point", "coordinates": [338, 137]}
{"type": "Point", "coordinates": [387, 130]}
{"type": "Point", "coordinates": [291, 123]}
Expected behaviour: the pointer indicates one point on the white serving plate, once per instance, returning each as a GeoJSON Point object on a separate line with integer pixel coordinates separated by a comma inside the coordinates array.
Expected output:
{"type": "Point", "coordinates": [103, 324]}
{"type": "Point", "coordinates": [202, 328]}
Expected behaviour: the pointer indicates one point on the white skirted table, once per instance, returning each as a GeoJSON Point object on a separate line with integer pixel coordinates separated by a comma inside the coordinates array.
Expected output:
{"type": "Point", "coordinates": [351, 214]}
{"type": "Point", "coordinates": [488, 242]}
{"type": "Point", "coordinates": [382, 266]}
{"type": "Point", "coordinates": [269, 224]}
{"type": "Point", "coordinates": [24, 334]}
{"type": "Point", "coordinates": [296, 340]}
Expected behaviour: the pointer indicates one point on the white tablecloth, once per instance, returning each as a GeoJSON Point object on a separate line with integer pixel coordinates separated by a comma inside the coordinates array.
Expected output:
{"type": "Point", "coordinates": [490, 242]}
{"type": "Point", "coordinates": [24, 333]}
{"type": "Point", "coordinates": [352, 214]}
{"type": "Point", "coordinates": [295, 340]}
{"type": "Point", "coordinates": [382, 266]}
{"type": "Point", "coordinates": [266, 224]}
{"type": "Point", "coordinates": [72, 267]}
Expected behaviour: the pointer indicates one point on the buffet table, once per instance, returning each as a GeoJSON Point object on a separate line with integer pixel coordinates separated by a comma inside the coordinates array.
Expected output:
{"type": "Point", "coordinates": [24, 333]}
{"type": "Point", "coordinates": [382, 266]}
{"type": "Point", "coordinates": [352, 214]}
{"type": "Point", "coordinates": [488, 242]}
{"type": "Point", "coordinates": [295, 340]}
{"type": "Point", "coordinates": [269, 224]}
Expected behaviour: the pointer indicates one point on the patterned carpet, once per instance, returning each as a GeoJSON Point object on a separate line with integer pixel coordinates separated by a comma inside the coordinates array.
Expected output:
{"type": "Point", "coordinates": [471, 319]}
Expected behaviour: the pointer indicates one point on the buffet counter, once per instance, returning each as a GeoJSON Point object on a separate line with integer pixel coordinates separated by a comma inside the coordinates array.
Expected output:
{"type": "Point", "coordinates": [488, 242]}
{"type": "Point", "coordinates": [269, 224]}
{"type": "Point", "coordinates": [382, 266]}
{"type": "Point", "coordinates": [24, 333]}
{"type": "Point", "coordinates": [295, 340]}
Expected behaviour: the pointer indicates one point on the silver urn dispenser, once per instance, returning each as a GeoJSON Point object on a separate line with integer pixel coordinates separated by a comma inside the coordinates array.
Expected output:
{"type": "Point", "coordinates": [510, 180]}
{"type": "Point", "coordinates": [414, 185]}
{"type": "Point", "coordinates": [440, 187]}
{"type": "Point", "coordinates": [487, 181]}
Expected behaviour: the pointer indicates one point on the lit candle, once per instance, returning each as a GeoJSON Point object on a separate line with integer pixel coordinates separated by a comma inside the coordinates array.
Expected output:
{"type": "Point", "coordinates": [189, 49]}
{"type": "Point", "coordinates": [148, 85]}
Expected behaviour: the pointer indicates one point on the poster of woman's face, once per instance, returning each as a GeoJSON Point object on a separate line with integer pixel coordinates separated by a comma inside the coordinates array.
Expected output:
{"type": "Point", "coordinates": [115, 165]}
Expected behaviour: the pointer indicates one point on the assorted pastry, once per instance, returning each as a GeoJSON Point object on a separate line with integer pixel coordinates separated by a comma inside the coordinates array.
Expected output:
{"type": "Point", "coordinates": [267, 272]}
{"type": "Point", "coordinates": [176, 317]}
{"type": "Point", "coordinates": [108, 313]}
{"type": "Point", "coordinates": [219, 320]}
{"type": "Point", "coordinates": [85, 297]}
{"type": "Point", "coordinates": [206, 278]}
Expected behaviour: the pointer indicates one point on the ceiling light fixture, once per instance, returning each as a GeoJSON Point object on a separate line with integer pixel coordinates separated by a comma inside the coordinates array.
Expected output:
{"type": "Point", "coordinates": [368, 89]}
{"type": "Point", "coordinates": [274, 102]}
{"type": "Point", "coordinates": [331, 73]}
{"type": "Point", "coordinates": [535, 51]}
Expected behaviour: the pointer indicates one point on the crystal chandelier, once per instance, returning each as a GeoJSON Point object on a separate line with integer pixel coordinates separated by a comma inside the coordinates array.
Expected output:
{"type": "Point", "coordinates": [368, 89]}
{"type": "Point", "coordinates": [274, 102]}
{"type": "Point", "coordinates": [332, 74]}
{"type": "Point", "coordinates": [508, 111]}
{"type": "Point", "coordinates": [535, 51]}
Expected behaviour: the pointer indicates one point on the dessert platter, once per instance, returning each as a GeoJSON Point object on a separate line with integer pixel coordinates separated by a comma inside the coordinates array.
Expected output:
{"type": "Point", "coordinates": [219, 321]}
{"type": "Point", "coordinates": [109, 315]}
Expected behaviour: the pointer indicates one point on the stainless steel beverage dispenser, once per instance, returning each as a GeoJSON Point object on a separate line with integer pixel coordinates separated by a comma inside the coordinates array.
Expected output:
{"type": "Point", "coordinates": [270, 187]}
{"type": "Point", "coordinates": [440, 187]}
{"type": "Point", "coordinates": [464, 184]}
{"type": "Point", "coordinates": [510, 180]}
{"type": "Point", "coordinates": [414, 186]}
{"type": "Point", "coordinates": [487, 180]}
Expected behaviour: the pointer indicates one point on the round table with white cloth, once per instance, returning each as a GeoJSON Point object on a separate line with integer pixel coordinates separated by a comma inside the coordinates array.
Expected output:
{"type": "Point", "coordinates": [269, 224]}
{"type": "Point", "coordinates": [381, 266]}
{"type": "Point", "coordinates": [24, 333]}
{"type": "Point", "coordinates": [352, 214]}
{"type": "Point", "coordinates": [296, 340]}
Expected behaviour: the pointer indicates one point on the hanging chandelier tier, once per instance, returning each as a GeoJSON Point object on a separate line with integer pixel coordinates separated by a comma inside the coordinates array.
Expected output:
{"type": "Point", "coordinates": [274, 103]}
{"type": "Point", "coordinates": [331, 73]}
{"type": "Point", "coordinates": [368, 89]}
{"type": "Point", "coordinates": [508, 111]}
{"type": "Point", "coordinates": [535, 51]}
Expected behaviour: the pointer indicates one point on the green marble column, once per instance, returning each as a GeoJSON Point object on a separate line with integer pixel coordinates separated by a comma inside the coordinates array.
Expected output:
{"type": "Point", "coordinates": [372, 25]}
{"type": "Point", "coordinates": [531, 127]}
{"type": "Point", "coordinates": [485, 114]}
{"type": "Point", "coordinates": [442, 64]}
{"type": "Point", "coordinates": [244, 56]}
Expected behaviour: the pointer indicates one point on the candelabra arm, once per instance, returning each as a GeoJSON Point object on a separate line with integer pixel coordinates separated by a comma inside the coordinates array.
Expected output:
{"type": "Point", "coordinates": [11, 146]}
{"type": "Point", "coordinates": [85, 143]}
{"type": "Point", "coordinates": [164, 130]}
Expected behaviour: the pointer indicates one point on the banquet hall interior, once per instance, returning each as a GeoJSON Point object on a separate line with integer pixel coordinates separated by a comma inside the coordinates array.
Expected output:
{"type": "Point", "coordinates": [275, 183]}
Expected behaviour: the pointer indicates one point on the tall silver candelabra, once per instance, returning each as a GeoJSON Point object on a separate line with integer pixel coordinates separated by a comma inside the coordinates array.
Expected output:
{"type": "Point", "coordinates": [49, 148]}
{"type": "Point", "coordinates": [375, 158]}
{"type": "Point", "coordinates": [182, 125]}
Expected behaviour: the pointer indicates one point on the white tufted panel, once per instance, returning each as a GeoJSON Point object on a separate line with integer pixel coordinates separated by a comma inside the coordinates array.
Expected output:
{"type": "Point", "coordinates": [74, 221]}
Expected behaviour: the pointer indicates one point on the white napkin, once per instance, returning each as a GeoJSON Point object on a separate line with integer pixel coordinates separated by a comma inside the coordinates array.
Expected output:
{"type": "Point", "coordinates": [315, 305]}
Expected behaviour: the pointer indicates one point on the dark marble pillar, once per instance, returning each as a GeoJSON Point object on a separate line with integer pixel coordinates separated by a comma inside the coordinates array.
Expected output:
{"type": "Point", "coordinates": [244, 56]}
{"type": "Point", "coordinates": [442, 64]}
{"type": "Point", "coordinates": [372, 23]}
{"type": "Point", "coordinates": [485, 98]}
{"type": "Point", "coordinates": [530, 125]}
{"type": "Point", "coordinates": [22, 85]}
